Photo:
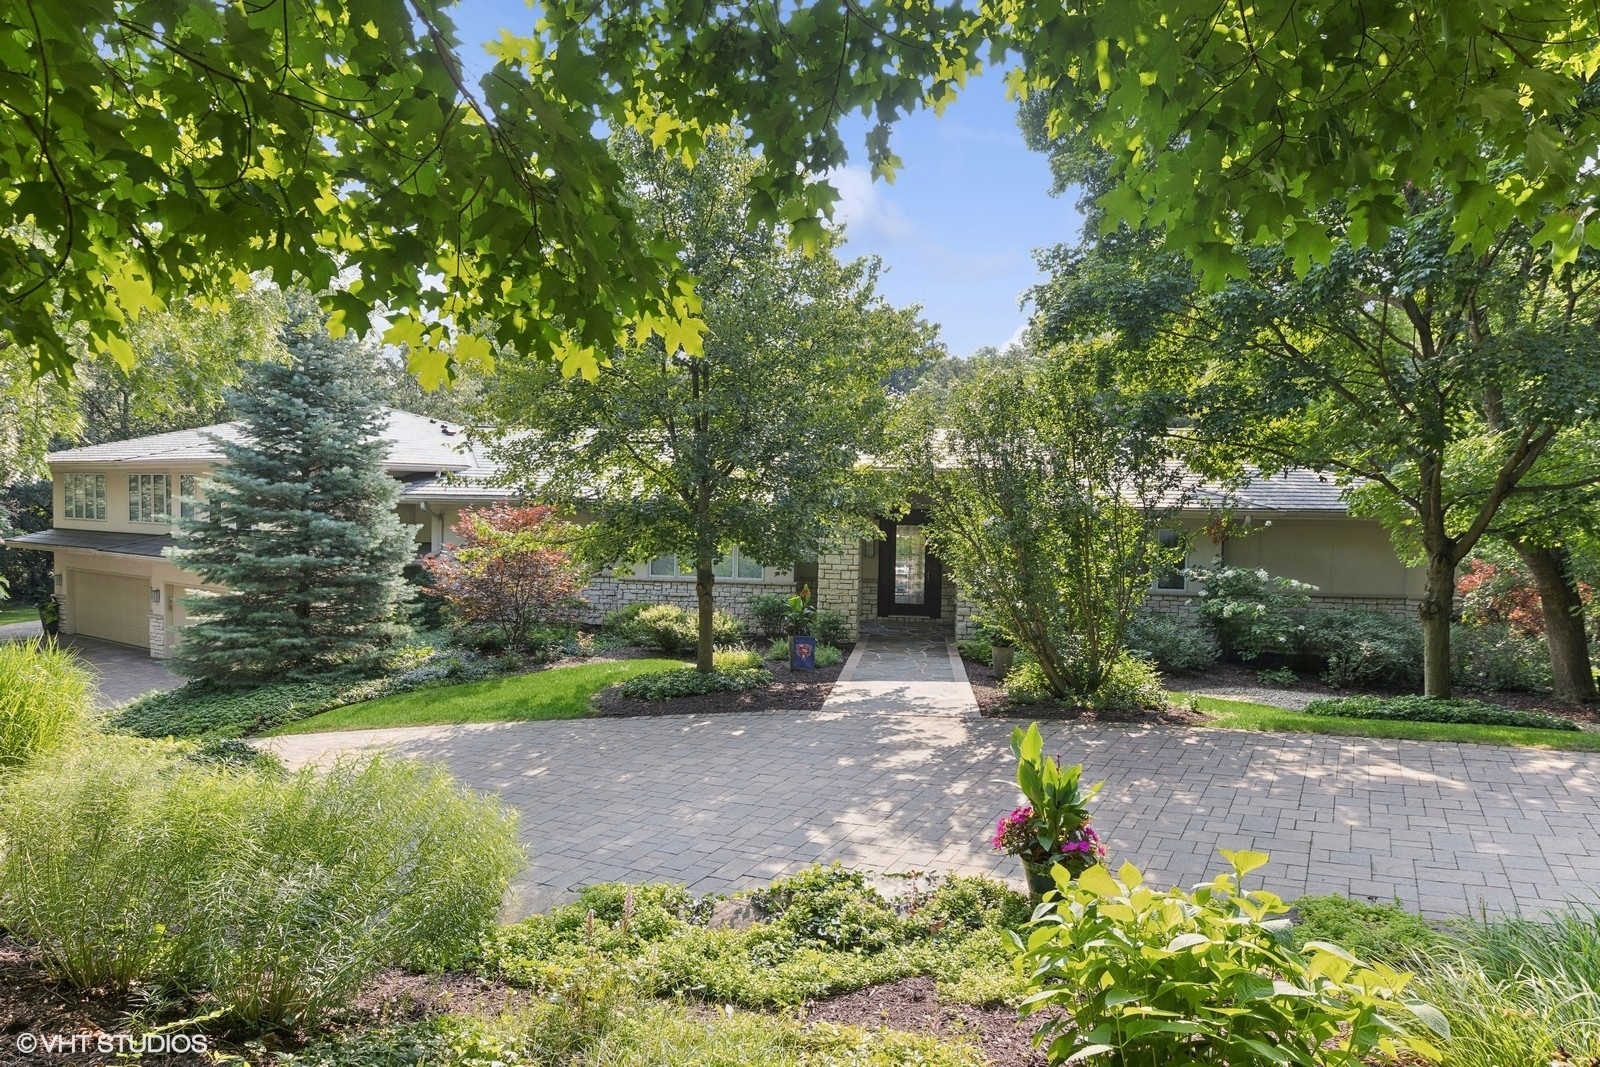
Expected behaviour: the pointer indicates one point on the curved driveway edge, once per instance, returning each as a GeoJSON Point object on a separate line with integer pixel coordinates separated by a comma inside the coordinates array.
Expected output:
{"type": "Point", "coordinates": [728, 801]}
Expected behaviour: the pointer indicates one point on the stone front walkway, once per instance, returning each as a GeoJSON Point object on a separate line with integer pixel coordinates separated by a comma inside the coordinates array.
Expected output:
{"type": "Point", "coordinates": [904, 668]}
{"type": "Point", "coordinates": [728, 801]}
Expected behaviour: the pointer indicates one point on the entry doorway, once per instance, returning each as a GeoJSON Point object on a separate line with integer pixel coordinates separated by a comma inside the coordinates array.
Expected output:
{"type": "Point", "coordinates": [910, 578]}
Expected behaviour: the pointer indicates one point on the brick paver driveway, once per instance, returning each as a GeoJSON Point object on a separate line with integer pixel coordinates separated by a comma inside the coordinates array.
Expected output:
{"type": "Point", "coordinates": [731, 800]}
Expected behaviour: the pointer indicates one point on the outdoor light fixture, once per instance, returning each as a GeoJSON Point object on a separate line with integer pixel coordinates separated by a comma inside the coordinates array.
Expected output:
{"type": "Point", "coordinates": [155, 596]}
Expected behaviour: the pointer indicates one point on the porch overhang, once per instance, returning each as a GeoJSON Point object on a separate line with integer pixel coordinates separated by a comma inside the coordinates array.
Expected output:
{"type": "Point", "coordinates": [149, 546]}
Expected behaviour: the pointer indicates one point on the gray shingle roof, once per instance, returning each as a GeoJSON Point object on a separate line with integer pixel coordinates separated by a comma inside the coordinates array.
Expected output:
{"type": "Point", "coordinates": [1293, 489]}
{"type": "Point", "coordinates": [125, 544]}
{"type": "Point", "coordinates": [417, 444]}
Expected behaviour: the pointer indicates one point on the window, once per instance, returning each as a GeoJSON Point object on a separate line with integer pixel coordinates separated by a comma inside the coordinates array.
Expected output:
{"type": "Point", "coordinates": [187, 505]}
{"type": "Point", "coordinates": [1169, 577]}
{"type": "Point", "coordinates": [149, 498]}
{"type": "Point", "coordinates": [733, 565]}
{"type": "Point", "coordinates": [83, 496]}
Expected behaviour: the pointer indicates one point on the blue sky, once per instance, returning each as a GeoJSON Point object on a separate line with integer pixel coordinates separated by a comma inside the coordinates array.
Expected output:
{"type": "Point", "coordinates": [958, 227]}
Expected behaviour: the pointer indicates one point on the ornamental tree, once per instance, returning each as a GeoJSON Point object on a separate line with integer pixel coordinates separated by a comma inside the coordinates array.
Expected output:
{"type": "Point", "coordinates": [510, 572]}
{"type": "Point", "coordinates": [757, 442]}
{"type": "Point", "coordinates": [298, 522]}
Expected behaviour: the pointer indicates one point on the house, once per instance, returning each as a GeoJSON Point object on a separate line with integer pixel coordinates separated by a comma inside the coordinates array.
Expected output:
{"type": "Point", "coordinates": [115, 506]}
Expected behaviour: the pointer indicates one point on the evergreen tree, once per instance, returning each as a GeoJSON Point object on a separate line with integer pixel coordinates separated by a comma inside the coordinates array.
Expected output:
{"type": "Point", "coordinates": [298, 522]}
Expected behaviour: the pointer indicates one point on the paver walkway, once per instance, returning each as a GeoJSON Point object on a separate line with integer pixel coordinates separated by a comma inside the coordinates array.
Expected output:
{"type": "Point", "coordinates": [732, 800]}
{"type": "Point", "coordinates": [902, 668]}
{"type": "Point", "coordinates": [121, 672]}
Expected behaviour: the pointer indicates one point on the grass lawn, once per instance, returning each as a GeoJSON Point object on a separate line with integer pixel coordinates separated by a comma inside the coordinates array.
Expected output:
{"type": "Point", "coordinates": [558, 693]}
{"type": "Point", "coordinates": [1243, 715]}
{"type": "Point", "coordinates": [10, 613]}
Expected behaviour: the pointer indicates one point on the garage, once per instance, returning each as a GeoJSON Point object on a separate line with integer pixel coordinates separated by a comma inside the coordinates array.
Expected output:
{"type": "Point", "coordinates": [112, 607]}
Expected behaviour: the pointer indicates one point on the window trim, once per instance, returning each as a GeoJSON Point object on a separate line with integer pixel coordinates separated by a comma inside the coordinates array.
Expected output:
{"type": "Point", "coordinates": [733, 559]}
{"type": "Point", "coordinates": [189, 498]}
{"type": "Point", "coordinates": [164, 516]}
{"type": "Point", "coordinates": [96, 496]}
{"type": "Point", "coordinates": [1158, 580]}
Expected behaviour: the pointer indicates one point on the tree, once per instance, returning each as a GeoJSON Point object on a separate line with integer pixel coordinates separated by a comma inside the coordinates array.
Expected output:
{"type": "Point", "coordinates": [1048, 489]}
{"type": "Point", "coordinates": [298, 522]}
{"type": "Point", "coordinates": [756, 443]}
{"type": "Point", "coordinates": [510, 572]}
{"type": "Point", "coordinates": [1439, 382]}
{"type": "Point", "coordinates": [25, 574]}
{"type": "Point", "coordinates": [161, 146]}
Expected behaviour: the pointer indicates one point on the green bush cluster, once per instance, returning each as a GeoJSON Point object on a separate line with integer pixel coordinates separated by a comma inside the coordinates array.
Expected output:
{"type": "Point", "coordinates": [976, 649]}
{"type": "Point", "coordinates": [830, 628]}
{"type": "Point", "coordinates": [1173, 641]}
{"type": "Point", "coordinates": [825, 655]}
{"type": "Point", "coordinates": [1379, 933]}
{"type": "Point", "coordinates": [736, 658]}
{"type": "Point", "coordinates": [769, 611]}
{"type": "Point", "coordinates": [688, 682]}
{"type": "Point", "coordinates": [209, 709]}
{"type": "Point", "coordinates": [668, 627]}
{"type": "Point", "coordinates": [45, 701]}
{"type": "Point", "coordinates": [1132, 684]}
{"type": "Point", "coordinates": [127, 864]}
{"type": "Point", "coordinates": [1431, 709]}
{"type": "Point", "coordinates": [1498, 658]}
{"type": "Point", "coordinates": [822, 931]}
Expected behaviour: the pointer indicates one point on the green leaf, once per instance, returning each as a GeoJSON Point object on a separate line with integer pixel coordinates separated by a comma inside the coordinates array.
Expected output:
{"type": "Point", "coordinates": [1088, 1052]}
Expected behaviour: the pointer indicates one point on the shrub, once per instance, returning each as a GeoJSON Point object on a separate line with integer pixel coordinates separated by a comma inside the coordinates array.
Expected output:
{"type": "Point", "coordinates": [831, 907]}
{"type": "Point", "coordinates": [1132, 683]}
{"type": "Point", "coordinates": [1494, 658]}
{"type": "Point", "coordinates": [1250, 611]}
{"type": "Point", "coordinates": [732, 659]}
{"type": "Point", "coordinates": [688, 682]}
{"type": "Point", "coordinates": [977, 649]}
{"type": "Point", "coordinates": [1175, 642]}
{"type": "Point", "coordinates": [1385, 933]}
{"type": "Point", "coordinates": [1361, 648]}
{"type": "Point", "coordinates": [45, 700]}
{"type": "Point", "coordinates": [201, 709]}
{"type": "Point", "coordinates": [830, 628]}
{"type": "Point", "coordinates": [827, 656]}
{"type": "Point", "coordinates": [1431, 709]}
{"type": "Point", "coordinates": [1151, 977]}
{"type": "Point", "coordinates": [779, 649]}
{"type": "Point", "coordinates": [621, 621]}
{"type": "Point", "coordinates": [769, 611]}
{"type": "Point", "coordinates": [279, 895]}
{"type": "Point", "coordinates": [1279, 676]}
{"type": "Point", "coordinates": [672, 629]}
{"type": "Point", "coordinates": [1025, 682]}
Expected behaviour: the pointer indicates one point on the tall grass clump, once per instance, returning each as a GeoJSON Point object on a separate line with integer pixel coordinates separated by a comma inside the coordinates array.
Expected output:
{"type": "Point", "coordinates": [1517, 991]}
{"type": "Point", "coordinates": [279, 894]}
{"type": "Point", "coordinates": [45, 697]}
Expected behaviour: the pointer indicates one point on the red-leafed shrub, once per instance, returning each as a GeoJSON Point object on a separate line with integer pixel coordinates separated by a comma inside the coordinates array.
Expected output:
{"type": "Point", "coordinates": [1494, 594]}
{"type": "Point", "coordinates": [511, 571]}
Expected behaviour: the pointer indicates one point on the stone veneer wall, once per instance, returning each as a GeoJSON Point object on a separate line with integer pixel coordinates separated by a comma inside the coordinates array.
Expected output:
{"type": "Point", "coordinates": [838, 586]}
{"type": "Point", "coordinates": [1179, 603]}
{"type": "Point", "coordinates": [609, 592]}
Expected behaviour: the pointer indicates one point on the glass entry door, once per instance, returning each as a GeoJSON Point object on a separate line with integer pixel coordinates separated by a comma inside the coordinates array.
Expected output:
{"type": "Point", "coordinates": [908, 574]}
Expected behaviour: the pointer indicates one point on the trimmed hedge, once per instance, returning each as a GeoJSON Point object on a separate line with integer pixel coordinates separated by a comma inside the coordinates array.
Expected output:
{"type": "Point", "coordinates": [688, 682]}
{"type": "Point", "coordinates": [1428, 709]}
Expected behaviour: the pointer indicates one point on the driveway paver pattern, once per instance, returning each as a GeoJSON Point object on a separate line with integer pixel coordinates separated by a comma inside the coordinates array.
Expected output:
{"type": "Point", "coordinates": [728, 801]}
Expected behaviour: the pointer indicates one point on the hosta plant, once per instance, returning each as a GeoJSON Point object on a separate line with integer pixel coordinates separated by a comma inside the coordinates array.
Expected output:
{"type": "Point", "coordinates": [1127, 975]}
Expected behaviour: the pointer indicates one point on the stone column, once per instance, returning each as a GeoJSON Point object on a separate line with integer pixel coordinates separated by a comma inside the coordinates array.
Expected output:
{"type": "Point", "coordinates": [839, 583]}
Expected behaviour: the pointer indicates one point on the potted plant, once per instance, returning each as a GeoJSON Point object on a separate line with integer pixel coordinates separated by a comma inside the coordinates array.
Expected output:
{"type": "Point", "coordinates": [1052, 826]}
{"type": "Point", "coordinates": [50, 616]}
{"type": "Point", "coordinates": [1002, 653]}
{"type": "Point", "coordinates": [798, 621]}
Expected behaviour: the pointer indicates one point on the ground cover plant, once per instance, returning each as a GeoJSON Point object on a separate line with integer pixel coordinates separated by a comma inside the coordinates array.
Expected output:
{"type": "Point", "coordinates": [1375, 932]}
{"type": "Point", "coordinates": [45, 701]}
{"type": "Point", "coordinates": [1430, 709]}
{"type": "Point", "coordinates": [1245, 715]}
{"type": "Point", "coordinates": [684, 681]}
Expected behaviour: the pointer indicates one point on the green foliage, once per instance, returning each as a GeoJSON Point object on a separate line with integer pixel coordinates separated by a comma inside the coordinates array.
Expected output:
{"type": "Point", "coordinates": [779, 649]}
{"type": "Point", "coordinates": [621, 620]}
{"type": "Point", "coordinates": [687, 682]}
{"type": "Point", "coordinates": [736, 658]}
{"type": "Point", "coordinates": [1174, 641]}
{"type": "Point", "coordinates": [1054, 825]}
{"type": "Point", "coordinates": [1249, 610]}
{"type": "Point", "coordinates": [768, 610]}
{"type": "Point", "coordinates": [46, 698]}
{"type": "Point", "coordinates": [25, 507]}
{"type": "Point", "coordinates": [800, 614]}
{"type": "Point", "coordinates": [280, 895]}
{"type": "Point", "coordinates": [1145, 977]}
{"type": "Point", "coordinates": [1131, 683]}
{"type": "Point", "coordinates": [1385, 933]}
{"type": "Point", "coordinates": [1493, 658]}
{"type": "Point", "coordinates": [1433, 709]}
{"type": "Point", "coordinates": [207, 709]}
{"type": "Point", "coordinates": [825, 931]}
{"type": "Point", "coordinates": [670, 628]}
{"type": "Point", "coordinates": [1048, 492]}
{"type": "Point", "coordinates": [1362, 648]}
{"type": "Point", "coordinates": [827, 656]}
{"type": "Point", "coordinates": [1519, 991]}
{"type": "Point", "coordinates": [1280, 676]}
{"type": "Point", "coordinates": [976, 649]}
{"type": "Point", "coordinates": [299, 524]}
{"type": "Point", "coordinates": [830, 628]}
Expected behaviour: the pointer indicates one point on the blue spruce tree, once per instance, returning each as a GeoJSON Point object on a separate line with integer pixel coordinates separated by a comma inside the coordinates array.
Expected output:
{"type": "Point", "coordinates": [298, 523]}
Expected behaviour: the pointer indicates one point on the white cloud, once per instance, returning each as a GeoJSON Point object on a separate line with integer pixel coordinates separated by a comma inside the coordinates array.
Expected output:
{"type": "Point", "coordinates": [863, 208]}
{"type": "Point", "coordinates": [1016, 337]}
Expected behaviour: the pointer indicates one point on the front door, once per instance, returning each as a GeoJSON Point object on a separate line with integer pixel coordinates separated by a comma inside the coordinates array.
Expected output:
{"type": "Point", "coordinates": [908, 574]}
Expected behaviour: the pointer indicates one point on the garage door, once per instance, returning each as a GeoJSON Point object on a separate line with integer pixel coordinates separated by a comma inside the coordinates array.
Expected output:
{"type": "Point", "coordinates": [111, 607]}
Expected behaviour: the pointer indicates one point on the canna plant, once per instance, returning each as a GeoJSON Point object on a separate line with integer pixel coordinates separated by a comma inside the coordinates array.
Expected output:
{"type": "Point", "coordinates": [1052, 827]}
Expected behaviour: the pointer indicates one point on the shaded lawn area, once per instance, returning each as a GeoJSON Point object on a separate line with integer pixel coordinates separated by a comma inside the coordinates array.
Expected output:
{"type": "Point", "coordinates": [1242, 715]}
{"type": "Point", "coordinates": [556, 693]}
{"type": "Point", "coordinates": [10, 613]}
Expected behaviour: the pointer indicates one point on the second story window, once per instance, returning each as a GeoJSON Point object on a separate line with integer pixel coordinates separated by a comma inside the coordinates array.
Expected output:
{"type": "Point", "coordinates": [188, 506]}
{"type": "Point", "coordinates": [83, 496]}
{"type": "Point", "coordinates": [149, 498]}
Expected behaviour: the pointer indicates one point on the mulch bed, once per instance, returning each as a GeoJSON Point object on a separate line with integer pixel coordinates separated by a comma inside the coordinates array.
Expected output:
{"type": "Point", "coordinates": [911, 1004]}
{"type": "Point", "coordinates": [1234, 675]}
{"type": "Point", "coordinates": [993, 703]}
{"type": "Point", "coordinates": [789, 691]}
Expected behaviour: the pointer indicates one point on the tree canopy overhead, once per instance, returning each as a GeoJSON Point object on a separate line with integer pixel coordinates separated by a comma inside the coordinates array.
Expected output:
{"type": "Point", "coordinates": [155, 146]}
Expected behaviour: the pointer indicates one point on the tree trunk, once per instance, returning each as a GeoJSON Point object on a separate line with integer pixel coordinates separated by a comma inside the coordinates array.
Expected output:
{"type": "Point", "coordinates": [1564, 629]}
{"type": "Point", "coordinates": [704, 582]}
{"type": "Point", "coordinates": [1438, 601]}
